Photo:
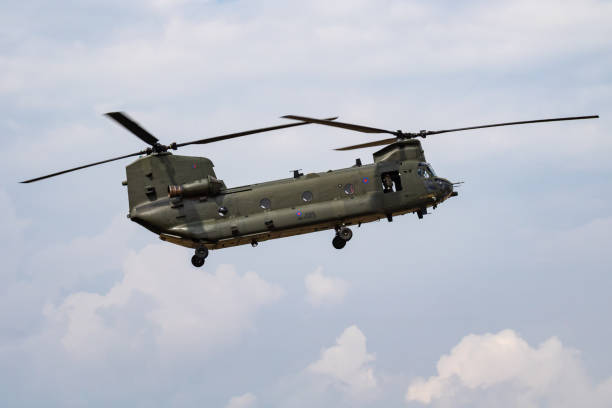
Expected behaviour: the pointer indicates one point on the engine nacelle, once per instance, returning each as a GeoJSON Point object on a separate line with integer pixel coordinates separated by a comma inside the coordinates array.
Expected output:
{"type": "Point", "coordinates": [208, 186]}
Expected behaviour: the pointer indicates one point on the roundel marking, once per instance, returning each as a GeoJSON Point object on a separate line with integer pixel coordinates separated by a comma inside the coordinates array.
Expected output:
{"type": "Point", "coordinates": [365, 180]}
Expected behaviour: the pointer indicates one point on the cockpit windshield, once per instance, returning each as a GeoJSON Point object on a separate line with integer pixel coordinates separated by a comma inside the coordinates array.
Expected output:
{"type": "Point", "coordinates": [424, 170]}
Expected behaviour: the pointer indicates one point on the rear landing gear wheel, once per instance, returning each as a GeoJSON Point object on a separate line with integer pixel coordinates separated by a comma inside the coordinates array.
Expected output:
{"type": "Point", "coordinates": [197, 261]}
{"type": "Point", "coordinates": [345, 233]}
{"type": "Point", "coordinates": [338, 242]}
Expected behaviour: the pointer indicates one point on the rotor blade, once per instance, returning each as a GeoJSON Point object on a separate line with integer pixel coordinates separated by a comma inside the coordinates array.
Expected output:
{"type": "Point", "coordinates": [435, 132]}
{"type": "Point", "coordinates": [244, 133]}
{"type": "Point", "coordinates": [133, 127]}
{"type": "Point", "coordinates": [370, 144]}
{"type": "Point", "coordinates": [350, 126]}
{"type": "Point", "coordinates": [82, 167]}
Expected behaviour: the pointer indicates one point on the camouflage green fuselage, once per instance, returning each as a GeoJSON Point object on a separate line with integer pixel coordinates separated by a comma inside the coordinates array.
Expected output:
{"type": "Point", "coordinates": [302, 204]}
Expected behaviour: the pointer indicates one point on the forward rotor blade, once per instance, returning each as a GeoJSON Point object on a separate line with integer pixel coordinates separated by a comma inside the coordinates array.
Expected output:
{"type": "Point", "coordinates": [244, 133]}
{"type": "Point", "coordinates": [350, 126]}
{"type": "Point", "coordinates": [376, 143]}
{"type": "Point", "coordinates": [435, 132]}
{"type": "Point", "coordinates": [133, 127]}
{"type": "Point", "coordinates": [82, 167]}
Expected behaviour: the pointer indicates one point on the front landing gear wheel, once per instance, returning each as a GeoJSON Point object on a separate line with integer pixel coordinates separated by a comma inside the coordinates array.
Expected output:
{"type": "Point", "coordinates": [338, 242]}
{"type": "Point", "coordinates": [197, 261]}
{"type": "Point", "coordinates": [202, 252]}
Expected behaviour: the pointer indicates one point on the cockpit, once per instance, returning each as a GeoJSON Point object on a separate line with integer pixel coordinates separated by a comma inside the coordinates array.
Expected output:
{"type": "Point", "coordinates": [438, 186]}
{"type": "Point", "coordinates": [424, 170]}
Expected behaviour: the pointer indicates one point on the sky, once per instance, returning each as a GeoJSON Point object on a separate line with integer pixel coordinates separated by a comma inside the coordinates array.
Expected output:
{"type": "Point", "coordinates": [499, 297]}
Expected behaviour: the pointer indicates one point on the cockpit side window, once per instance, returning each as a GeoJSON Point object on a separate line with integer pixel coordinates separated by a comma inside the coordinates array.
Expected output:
{"type": "Point", "coordinates": [425, 171]}
{"type": "Point", "coordinates": [391, 181]}
{"type": "Point", "coordinates": [431, 170]}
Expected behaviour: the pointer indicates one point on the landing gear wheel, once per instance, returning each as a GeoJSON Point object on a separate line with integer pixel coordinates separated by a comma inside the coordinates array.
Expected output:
{"type": "Point", "coordinates": [345, 233]}
{"type": "Point", "coordinates": [197, 261]}
{"type": "Point", "coordinates": [202, 252]}
{"type": "Point", "coordinates": [338, 242]}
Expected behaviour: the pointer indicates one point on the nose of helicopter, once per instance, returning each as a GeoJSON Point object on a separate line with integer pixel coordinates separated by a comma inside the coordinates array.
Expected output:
{"type": "Point", "coordinates": [446, 187]}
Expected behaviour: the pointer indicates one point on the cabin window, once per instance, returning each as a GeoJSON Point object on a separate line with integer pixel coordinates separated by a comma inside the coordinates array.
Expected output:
{"type": "Point", "coordinates": [391, 181]}
{"type": "Point", "coordinates": [349, 189]}
{"type": "Point", "coordinates": [265, 203]}
{"type": "Point", "coordinates": [307, 196]}
{"type": "Point", "coordinates": [222, 211]}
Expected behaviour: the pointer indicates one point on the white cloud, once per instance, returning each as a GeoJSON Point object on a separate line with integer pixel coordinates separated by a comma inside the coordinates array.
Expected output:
{"type": "Point", "coordinates": [346, 365]}
{"type": "Point", "coordinates": [247, 400]}
{"type": "Point", "coordinates": [321, 289]}
{"type": "Point", "coordinates": [174, 61]}
{"type": "Point", "coordinates": [504, 368]}
{"type": "Point", "coordinates": [165, 303]}
{"type": "Point", "coordinates": [375, 39]}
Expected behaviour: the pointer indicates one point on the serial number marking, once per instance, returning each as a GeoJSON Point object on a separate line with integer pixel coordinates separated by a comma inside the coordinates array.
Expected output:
{"type": "Point", "coordinates": [309, 214]}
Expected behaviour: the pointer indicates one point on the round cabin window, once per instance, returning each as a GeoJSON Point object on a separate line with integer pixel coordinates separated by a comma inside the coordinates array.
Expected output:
{"type": "Point", "coordinates": [265, 203]}
{"type": "Point", "coordinates": [307, 196]}
{"type": "Point", "coordinates": [349, 189]}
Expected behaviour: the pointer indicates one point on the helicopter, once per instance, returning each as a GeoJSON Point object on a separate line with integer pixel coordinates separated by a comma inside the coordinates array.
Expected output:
{"type": "Point", "coordinates": [180, 198]}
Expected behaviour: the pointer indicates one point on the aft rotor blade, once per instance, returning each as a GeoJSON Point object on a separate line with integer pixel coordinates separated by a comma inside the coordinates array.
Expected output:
{"type": "Point", "coordinates": [133, 127]}
{"type": "Point", "coordinates": [371, 144]}
{"type": "Point", "coordinates": [350, 126]}
{"type": "Point", "coordinates": [435, 132]}
{"type": "Point", "coordinates": [244, 133]}
{"type": "Point", "coordinates": [81, 167]}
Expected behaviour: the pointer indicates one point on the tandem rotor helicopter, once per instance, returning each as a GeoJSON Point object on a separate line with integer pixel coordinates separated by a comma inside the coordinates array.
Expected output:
{"type": "Point", "coordinates": [181, 199]}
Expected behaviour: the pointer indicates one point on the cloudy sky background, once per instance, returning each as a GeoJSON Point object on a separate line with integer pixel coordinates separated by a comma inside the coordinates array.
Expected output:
{"type": "Point", "coordinates": [500, 297]}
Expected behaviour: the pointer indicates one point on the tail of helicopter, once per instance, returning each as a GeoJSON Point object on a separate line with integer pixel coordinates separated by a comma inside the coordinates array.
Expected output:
{"type": "Point", "coordinates": [149, 177]}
